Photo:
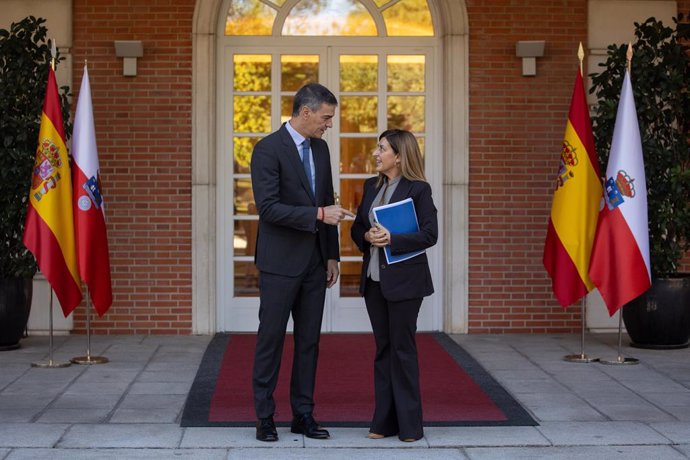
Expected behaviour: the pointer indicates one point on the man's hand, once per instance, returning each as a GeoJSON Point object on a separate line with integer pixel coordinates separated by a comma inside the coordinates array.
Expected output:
{"type": "Point", "coordinates": [333, 214]}
{"type": "Point", "coordinates": [332, 272]}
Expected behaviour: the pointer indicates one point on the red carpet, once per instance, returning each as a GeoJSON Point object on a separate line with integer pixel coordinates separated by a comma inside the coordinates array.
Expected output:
{"type": "Point", "coordinates": [455, 389]}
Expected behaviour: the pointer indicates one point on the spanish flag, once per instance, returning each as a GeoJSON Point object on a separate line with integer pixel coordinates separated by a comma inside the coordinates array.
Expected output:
{"type": "Point", "coordinates": [49, 226]}
{"type": "Point", "coordinates": [575, 207]}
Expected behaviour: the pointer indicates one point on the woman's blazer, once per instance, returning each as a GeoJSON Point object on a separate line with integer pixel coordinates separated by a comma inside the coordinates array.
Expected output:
{"type": "Point", "coordinates": [410, 278]}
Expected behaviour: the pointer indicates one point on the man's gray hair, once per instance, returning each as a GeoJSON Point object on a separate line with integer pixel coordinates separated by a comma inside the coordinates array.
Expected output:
{"type": "Point", "coordinates": [312, 95]}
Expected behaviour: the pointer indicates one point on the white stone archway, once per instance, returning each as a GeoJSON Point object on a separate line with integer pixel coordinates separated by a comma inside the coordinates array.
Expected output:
{"type": "Point", "coordinates": [453, 32]}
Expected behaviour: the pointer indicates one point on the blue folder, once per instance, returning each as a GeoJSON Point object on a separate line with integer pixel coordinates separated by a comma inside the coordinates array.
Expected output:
{"type": "Point", "coordinates": [398, 217]}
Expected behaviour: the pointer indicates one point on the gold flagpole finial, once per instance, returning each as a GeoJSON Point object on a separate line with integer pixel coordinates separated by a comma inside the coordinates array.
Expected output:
{"type": "Point", "coordinates": [628, 55]}
{"type": "Point", "coordinates": [580, 55]}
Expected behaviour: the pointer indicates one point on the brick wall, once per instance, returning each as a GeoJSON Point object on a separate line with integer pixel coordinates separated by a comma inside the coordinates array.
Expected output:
{"type": "Point", "coordinates": [143, 127]}
{"type": "Point", "coordinates": [516, 129]}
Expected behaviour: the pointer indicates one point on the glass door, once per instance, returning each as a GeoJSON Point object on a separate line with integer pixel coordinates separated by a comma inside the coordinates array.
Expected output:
{"type": "Point", "coordinates": [376, 90]}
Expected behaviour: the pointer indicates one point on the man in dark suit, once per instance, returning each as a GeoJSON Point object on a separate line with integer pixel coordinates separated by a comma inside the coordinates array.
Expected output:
{"type": "Point", "coordinates": [296, 253]}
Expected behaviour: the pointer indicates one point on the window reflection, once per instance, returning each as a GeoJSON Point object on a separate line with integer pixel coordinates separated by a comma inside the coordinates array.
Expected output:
{"type": "Point", "coordinates": [349, 278]}
{"type": "Point", "coordinates": [246, 279]}
{"type": "Point", "coordinates": [244, 197]}
{"type": "Point", "coordinates": [286, 108]}
{"type": "Point", "coordinates": [252, 114]}
{"type": "Point", "coordinates": [297, 71]}
{"type": "Point", "coordinates": [244, 241]}
{"type": "Point", "coordinates": [356, 155]}
{"type": "Point", "coordinates": [242, 153]}
{"type": "Point", "coordinates": [406, 112]}
{"type": "Point", "coordinates": [350, 198]}
{"type": "Point", "coordinates": [408, 18]}
{"type": "Point", "coordinates": [358, 114]}
{"type": "Point", "coordinates": [249, 17]}
{"type": "Point", "coordinates": [358, 73]}
{"type": "Point", "coordinates": [252, 72]}
{"type": "Point", "coordinates": [329, 17]}
{"type": "Point", "coordinates": [405, 73]}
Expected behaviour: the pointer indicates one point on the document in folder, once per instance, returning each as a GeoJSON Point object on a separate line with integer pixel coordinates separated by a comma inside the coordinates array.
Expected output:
{"type": "Point", "coordinates": [398, 217]}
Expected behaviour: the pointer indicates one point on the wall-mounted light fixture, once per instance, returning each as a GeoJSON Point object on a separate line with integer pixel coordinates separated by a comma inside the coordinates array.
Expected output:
{"type": "Point", "coordinates": [130, 50]}
{"type": "Point", "coordinates": [529, 50]}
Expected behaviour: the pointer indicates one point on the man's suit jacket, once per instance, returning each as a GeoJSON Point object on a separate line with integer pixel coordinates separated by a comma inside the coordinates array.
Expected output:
{"type": "Point", "coordinates": [410, 278]}
{"type": "Point", "coordinates": [287, 208]}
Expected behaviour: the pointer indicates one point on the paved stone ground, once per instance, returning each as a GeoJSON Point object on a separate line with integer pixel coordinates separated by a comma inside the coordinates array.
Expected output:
{"type": "Point", "coordinates": [130, 408]}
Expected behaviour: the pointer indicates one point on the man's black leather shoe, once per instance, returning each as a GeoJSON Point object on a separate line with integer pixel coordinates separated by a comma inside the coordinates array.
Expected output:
{"type": "Point", "coordinates": [306, 425]}
{"type": "Point", "coordinates": [266, 430]}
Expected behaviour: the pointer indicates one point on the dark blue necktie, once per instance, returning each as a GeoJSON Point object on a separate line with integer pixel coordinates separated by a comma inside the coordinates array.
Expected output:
{"type": "Point", "coordinates": [305, 162]}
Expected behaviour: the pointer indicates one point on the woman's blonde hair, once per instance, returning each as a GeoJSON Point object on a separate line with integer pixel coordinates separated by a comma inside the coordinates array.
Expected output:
{"type": "Point", "coordinates": [405, 145]}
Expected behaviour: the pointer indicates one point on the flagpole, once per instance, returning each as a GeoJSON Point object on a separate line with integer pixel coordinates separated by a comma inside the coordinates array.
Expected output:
{"type": "Point", "coordinates": [620, 359]}
{"type": "Point", "coordinates": [50, 362]}
{"type": "Point", "coordinates": [88, 359]}
{"type": "Point", "coordinates": [582, 357]}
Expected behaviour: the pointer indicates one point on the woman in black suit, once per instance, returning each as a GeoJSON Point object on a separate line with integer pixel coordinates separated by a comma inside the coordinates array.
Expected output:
{"type": "Point", "coordinates": [393, 293]}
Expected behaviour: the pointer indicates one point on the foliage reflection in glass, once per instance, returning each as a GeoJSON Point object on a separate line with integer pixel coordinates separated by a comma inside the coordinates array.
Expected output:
{"type": "Point", "coordinates": [297, 71]}
{"type": "Point", "coordinates": [242, 153]}
{"type": "Point", "coordinates": [249, 17]}
{"type": "Point", "coordinates": [358, 114]}
{"type": "Point", "coordinates": [408, 18]}
{"type": "Point", "coordinates": [356, 155]}
{"type": "Point", "coordinates": [252, 114]}
{"type": "Point", "coordinates": [405, 73]}
{"type": "Point", "coordinates": [406, 112]}
{"type": "Point", "coordinates": [329, 17]}
{"type": "Point", "coordinates": [358, 73]}
{"type": "Point", "coordinates": [252, 72]}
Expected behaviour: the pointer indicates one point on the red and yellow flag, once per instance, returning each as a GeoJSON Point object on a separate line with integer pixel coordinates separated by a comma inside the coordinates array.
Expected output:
{"type": "Point", "coordinates": [49, 226]}
{"type": "Point", "coordinates": [575, 206]}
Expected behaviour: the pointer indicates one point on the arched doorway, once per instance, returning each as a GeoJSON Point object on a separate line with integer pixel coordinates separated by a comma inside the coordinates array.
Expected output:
{"type": "Point", "coordinates": [385, 78]}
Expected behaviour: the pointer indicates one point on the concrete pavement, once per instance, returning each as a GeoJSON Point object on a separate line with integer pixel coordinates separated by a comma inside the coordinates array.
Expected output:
{"type": "Point", "coordinates": [130, 407]}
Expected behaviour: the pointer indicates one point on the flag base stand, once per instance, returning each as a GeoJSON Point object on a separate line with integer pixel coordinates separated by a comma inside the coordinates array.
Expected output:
{"type": "Point", "coordinates": [88, 359]}
{"type": "Point", "coordinates": [50, 363]}
{"type": "Point", "coordinates": [620, 359]}
{"type": "Point", "coordinates": [582, 357]}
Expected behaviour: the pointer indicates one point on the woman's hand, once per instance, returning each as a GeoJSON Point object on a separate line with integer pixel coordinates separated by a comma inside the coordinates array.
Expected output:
{"type": "Point", "coordinates": [378, 236]}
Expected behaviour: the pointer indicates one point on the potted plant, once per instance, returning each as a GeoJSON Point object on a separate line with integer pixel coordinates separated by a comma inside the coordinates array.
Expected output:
{"type": "Point", "coordinates": [660, 74]}
{"type": "Point", "coordinates": [24, 60]}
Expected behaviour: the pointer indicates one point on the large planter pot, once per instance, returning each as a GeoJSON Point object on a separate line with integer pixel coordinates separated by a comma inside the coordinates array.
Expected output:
{"type": "Point", "coordinates": [660, 318]}
{"type": "Point", "coordinates": [15, 301]}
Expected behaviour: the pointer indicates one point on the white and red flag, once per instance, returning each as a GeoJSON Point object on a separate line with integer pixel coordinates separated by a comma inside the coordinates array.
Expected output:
{"type": "Point", "coordinates": [89, 215]}
{"type": "Point", "coordinates": [619, 266]}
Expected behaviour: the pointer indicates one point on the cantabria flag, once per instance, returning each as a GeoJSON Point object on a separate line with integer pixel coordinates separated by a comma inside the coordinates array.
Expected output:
{"type": "Point", "coordinates": [89, 204]}
{"type": "Point", "coordinates": [620, 257]}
